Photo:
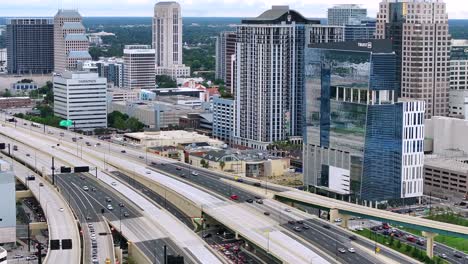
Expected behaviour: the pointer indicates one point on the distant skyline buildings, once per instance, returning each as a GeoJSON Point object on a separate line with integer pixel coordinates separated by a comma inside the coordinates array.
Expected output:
{"type": "Point", "coordinates": [30, 45]}
{"type": "Point", "coordinates": [421, 41]}
{"type": "Point", "coordinates": [167, 40]}
{"type": "Point", "coordinates": [207, 8]}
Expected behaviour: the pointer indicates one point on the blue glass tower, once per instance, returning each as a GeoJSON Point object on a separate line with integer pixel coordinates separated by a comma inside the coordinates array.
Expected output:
{"type": "Point", "coordinates": [359, 139]}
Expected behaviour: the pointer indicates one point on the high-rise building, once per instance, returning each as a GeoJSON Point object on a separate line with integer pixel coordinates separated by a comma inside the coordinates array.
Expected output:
{"type": "Point", "coordinates": [341, 15]}
{"type": "Point", "coordinates": [223, 118]}
{"type": "Point", "coordinates": [458, 94]}
{"type": "Point", "coordinates": [420, 33]}
{"type": "Point", "coordinates": [82, 98]}
{"type": "Point", "coordinates": [30, 45]}
{"type": "Point", "coordinates": [363, 30]}
{"type": "Point", "coordinates": [167, 40]}
{"type": "Point", "coordinates": [7, 203]}
{"type": "Point", "coordinates": [70, 41]}
{"type": "Point", "coordinates": [324, 34]}
{"type": "Point", "coordinates": [359, 136]}
{"type": "Point", "coordinates": [268, 88]}
{"type": "Point", "coordinates": [139, 72]}
{"type": "Point", "coordinates": [225, 48]}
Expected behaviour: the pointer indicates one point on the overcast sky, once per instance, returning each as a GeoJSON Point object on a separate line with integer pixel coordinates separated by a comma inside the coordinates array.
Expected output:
{"type": "Point", "coordinates": [193, 8]}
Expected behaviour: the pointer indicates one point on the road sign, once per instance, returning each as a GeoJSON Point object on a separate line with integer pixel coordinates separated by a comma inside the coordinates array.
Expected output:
{"type": "Point", "coordinates": [66, 123]}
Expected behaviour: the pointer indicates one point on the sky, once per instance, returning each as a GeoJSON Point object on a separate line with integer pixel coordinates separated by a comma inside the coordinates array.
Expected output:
{"type": "Point", "coordinates": [457, 9]}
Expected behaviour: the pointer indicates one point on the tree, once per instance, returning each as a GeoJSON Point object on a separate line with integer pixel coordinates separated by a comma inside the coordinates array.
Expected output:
{"type": "Point", "coordinates": [165, 81]}
{"type": "Point", "coordinates": [7, 93]}
{"type": "Point", "coordinates": [134, 124]}
{"type": "Point", "coordinates": [119, 123]}
{"type": "Point", "coordinates": [398, 244]}
{"type": "Point", "coordinates": [222, 164]}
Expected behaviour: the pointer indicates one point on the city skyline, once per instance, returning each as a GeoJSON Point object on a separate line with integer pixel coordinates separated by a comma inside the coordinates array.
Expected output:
{"type": "Point", "coordinates": [191, 8]}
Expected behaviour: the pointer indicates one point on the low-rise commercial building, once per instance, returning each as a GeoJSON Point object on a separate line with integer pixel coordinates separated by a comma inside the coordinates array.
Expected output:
{"type": "Point", "coordinates": [7, 203]}
{"type": "Point", "coordinates": [15, 102]}
{"type": "Point", "coordinates": [155, 114]}
{"type": "Point", "coordinates": [169, 138]}
{"type": "Point", "coordinates": [122, 95]}
{"type": "Point", "coordinates": [446, 177]}
{"type": "Point", "coordinates": [21, 88]}
{"type": "Point", "coordinates": [247, 163]}
{"type": "Point", "coordinates": [82, 98]}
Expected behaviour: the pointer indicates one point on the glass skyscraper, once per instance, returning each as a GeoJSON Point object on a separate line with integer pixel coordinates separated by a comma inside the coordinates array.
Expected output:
{"type": "Point", "coordinates": [360, 142]}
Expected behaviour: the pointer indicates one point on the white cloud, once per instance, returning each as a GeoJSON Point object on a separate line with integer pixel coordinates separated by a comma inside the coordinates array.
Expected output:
{"type": "Point", "coordinates": [237, 8]}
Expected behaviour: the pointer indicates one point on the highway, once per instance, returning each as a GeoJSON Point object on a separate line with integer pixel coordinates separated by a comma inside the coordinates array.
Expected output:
{"type": "Point", "coordinates": [60, 222]}
{"type": "Point", "coordinates": [329, 240]}
{"type": "Point", "coordinates": [155, 222]}
{"type": "Point", "coordinates": [439, 249]}
{"type": "Point", "coordinates": [266, 233]}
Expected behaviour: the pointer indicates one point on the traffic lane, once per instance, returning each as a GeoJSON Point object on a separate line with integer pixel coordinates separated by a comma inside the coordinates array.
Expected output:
{"type": "Point", "coordinates": [287, 219]}
{"type": "Point", "coordinates": [159, 199]}
{"type": "Point", "coordinates": [155, 249]}
{"type": "Point", "coordinates": [325, 239]}
{"type": "Point", "coordinates": [438, 251]}
{"type": "Point", "coordinates": [213, 184]}
{"type": "Point", "coordinates": [100, 196]}
{"type": "Point", "coordinates": [84, 209]}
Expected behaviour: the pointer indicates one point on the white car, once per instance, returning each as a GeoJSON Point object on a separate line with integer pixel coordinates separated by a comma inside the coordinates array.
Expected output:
{"type": "Point", "coordinates": [61, 209]}
{"type": "Point", "coordinates": [338, 220]}
{"type": "Point", "coordinates": [352, 250]}
{"type": "Point", "coordinates": [113, 183]}
{"type": "Point", "coordinates": [109, 206]}
{"type": "Point", "coordinates": [287, 210]}
{"type": "Point", "coordinates": [85, 188]}
{"type": "Point", "coordinates": [194, 173]}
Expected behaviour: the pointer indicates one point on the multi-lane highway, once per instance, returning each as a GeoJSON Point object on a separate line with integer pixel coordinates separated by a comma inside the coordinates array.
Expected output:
{"type": "Point", "coordinates": [60, 220]}
{"type": "Point", "coordinates": [185, 239]}
{"type": "Point", "coordinates": [263, 231]}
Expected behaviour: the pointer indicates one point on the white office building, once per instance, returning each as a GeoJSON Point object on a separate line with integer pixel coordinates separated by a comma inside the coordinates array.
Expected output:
{"type": "Point", "coordinates": [139, 71]}
{"type": "Point", "coordinates": [341, 15]}
{"type": "Point", "coordinates": [82, 98]}
{"type": "Point", "coordinates": [7, 204]}
{"type": "Point", "coordinates": [167, 40]}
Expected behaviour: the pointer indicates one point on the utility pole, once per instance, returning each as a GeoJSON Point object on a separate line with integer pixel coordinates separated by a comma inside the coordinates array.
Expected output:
{"type": "Point", "coordinates": [53, 172]}
{"type": "Point", "coordinates": [165, 254]}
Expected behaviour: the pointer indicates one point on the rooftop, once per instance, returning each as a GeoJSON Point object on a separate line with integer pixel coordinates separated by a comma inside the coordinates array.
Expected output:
{"type": "Point", "coordinates": [279, 14]}
{"type": "Point", "coordinates": [79, 54]}
{"type": "Point", "coordinates": [73, 25]}
{"type": "Point", "coordinates": [69, 13]}
{"type": "Point", "coordinates": [448, 163]}
{"type": "Point", "coordinates": [76, 37]}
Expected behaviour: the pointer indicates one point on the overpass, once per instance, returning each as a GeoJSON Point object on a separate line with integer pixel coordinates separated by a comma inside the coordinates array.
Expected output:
{"type": "Point", "coordinates": [341, 209]}
{"type": "Point", "coordinates": [262, 231]}
{"type": "Point", "coordinates": [155, 223]}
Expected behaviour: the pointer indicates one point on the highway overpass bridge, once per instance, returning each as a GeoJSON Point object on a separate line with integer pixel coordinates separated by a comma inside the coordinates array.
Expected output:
{"type": "Point", "coordinates": [344, 210]}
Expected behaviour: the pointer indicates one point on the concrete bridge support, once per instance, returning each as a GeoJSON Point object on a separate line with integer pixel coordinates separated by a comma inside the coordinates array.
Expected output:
{"type": "Point", "coordinates": [429, 243]}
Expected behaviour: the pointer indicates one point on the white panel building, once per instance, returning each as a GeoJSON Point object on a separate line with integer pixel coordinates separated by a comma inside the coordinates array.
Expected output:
{"type": "Point", "coordinates": [82, 98]}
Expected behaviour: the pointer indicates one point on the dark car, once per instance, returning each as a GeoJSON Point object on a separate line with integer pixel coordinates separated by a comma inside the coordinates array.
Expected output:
{"type": "Point", "coordinates": [326, 226]}
{"type": "Point", "coordinates": [249, 200]}
{"type": "Point", "coordinates": [123, 151]}
{"type": "Point", "coordinates": [353, 237]}
{"type": "Point", "coordinates": [257, 184]}
{"type": "Point", "coordinates": [300, 222]}
{"type": "Point", "coordinates": [266, 213]}
{"type": "Point", "coordinates": [207, 235]}
{"type": "Point", "coordinates": [291, 222]}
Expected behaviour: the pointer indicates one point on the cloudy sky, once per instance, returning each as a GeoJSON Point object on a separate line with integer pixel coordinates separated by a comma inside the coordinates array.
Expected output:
{"type": "Point", "coordinates": [193, 8]}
